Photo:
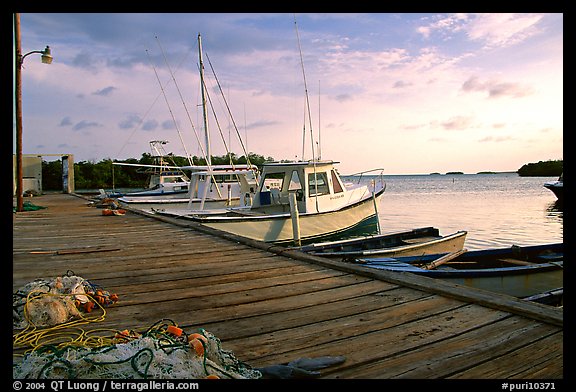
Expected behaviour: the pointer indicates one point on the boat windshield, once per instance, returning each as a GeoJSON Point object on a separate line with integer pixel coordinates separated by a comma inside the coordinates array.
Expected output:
{"type": "Point", "coordinates": [318, 184]}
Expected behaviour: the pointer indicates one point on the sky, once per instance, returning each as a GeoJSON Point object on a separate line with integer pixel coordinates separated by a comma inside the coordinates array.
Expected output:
{"type": "Point", "coordinates": [409, 93]}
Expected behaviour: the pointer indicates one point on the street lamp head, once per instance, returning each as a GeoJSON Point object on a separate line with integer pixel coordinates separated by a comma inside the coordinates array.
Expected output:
{"type": "Point", "coordinates": [46, 56]}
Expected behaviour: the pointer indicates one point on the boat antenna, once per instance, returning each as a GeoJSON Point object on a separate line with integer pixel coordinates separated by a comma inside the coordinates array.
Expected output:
{"type": "Point", "coordinates": [165, 98]}
{"type": "Point", "coordinates": [188, 156]}
{"type": "Point", "coordinates": [182, 99]}
{"type": "Point", "coordinates": [204, 112]}
{"type": "Point", "coordinates": [319, 135]}
{"type": "Point", "coordinates": [309, 116]}
{"type": "Point", "coordinates": [305, 88]}
{"type": "Point", "coordinates": [230, 116]}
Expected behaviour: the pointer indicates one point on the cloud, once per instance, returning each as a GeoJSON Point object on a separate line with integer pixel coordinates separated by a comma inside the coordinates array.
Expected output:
{"type": "Point", "coordinates": [489, 29]}
{"type": "Point", "coordinates": [66, 121]}
{"type": "Point", "coordinates": [401, 84]}
{"type": "Point", "coordinates": [260, 124]}
{"type": "Point", "coordinates": [132, 121]}
{"type": "Point", "coordinates": [496, 139]}
{"type": "Point", "coordinates": [168, 124]}
{"type": "Point", "coordinates": [343, 97]}
{"type": "Point", "coordinates": [444, 25]}
{"type": "Point", "coordinates": [150, 125]}
{"type": "Point", "coordinates": [85, 124]}
{"type": "Point", "coordinates": [457, 123]}
{"type": "Point", "coordinates": [496, 89]}
{"type": "Point", "coordinates": [105, 91]}
{"type": "Point", "coordinates": [502, 29]}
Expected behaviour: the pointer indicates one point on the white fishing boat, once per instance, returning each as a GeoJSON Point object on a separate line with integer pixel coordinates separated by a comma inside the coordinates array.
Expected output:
{"type": "Point", "coordinates": [301, 202]}
{"type": "Point", "coordinates": [208, 188]}
{"type": "Point", "coordinates": [298, 202]}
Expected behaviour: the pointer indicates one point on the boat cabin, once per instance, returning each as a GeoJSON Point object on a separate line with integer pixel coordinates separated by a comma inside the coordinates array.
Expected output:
{"type": "Point", "coordinates": [317, 185]}
{"type": "Point", "coordinates": [180, 180]}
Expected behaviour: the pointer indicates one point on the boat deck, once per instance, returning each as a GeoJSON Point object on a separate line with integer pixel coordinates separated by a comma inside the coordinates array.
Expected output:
{"type": "Point", "coordinates": [270, 306]}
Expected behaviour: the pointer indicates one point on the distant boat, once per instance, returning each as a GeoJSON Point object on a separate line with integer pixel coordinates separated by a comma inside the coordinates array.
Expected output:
{"type": "Point", "coordinates": [517, 271]}
{"type": "Point", "coordinates": [216, 187]}
{"type": "Point", "coordinates": [416, 242]}
{"type": "Point", "coordinates": [322, 206]}
{"type": "Point", "coordinates": [557, 187]}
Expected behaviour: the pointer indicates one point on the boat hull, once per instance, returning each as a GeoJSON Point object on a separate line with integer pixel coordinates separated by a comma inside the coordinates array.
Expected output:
{"type": "Point", "coordinates": [357, 219]}
{"type": "Point", "coordinates": [557, 188]}
{"type": "Point", "coordinates": [530, 270]}
{"type": "Point", "coordinates": [417, 242]}
{"type": "Point", "coordinates": [180, 204]}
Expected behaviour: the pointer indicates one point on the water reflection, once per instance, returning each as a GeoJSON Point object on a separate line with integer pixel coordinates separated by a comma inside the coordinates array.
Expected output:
{"type": "Point", "coordinates": [556, 210]}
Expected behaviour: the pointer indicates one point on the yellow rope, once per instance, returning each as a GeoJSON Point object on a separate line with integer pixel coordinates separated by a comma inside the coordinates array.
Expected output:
{"type": "Point", "coordinates": [68, 334]}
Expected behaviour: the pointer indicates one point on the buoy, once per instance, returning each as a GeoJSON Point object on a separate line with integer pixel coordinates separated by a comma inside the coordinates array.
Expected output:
{"type": "Point", "coordinates": [88, 306]}
{"type": "Point", "coordinates": [174, 330]}
{"type": "Point", "coordinates": [197, 345]}
{"type": "Point", "coordinates": [198, 336]}
{"type": "Point", "coordinates": [122, 334]}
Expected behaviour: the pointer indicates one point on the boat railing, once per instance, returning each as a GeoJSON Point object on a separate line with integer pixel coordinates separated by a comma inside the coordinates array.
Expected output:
{"type": "Point", "coordinates": [379, 176]}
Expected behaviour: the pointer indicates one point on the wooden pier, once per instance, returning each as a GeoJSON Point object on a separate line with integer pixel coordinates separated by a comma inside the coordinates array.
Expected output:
{"type": "Point", "coordinates": [270, 306]}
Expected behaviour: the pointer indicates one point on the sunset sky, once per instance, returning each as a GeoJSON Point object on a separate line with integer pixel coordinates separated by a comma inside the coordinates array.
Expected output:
{"type": "Point", "coordinates": [411, 93]}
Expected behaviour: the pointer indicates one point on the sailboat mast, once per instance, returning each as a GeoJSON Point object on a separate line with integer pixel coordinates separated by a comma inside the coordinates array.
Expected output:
{"type": "Point", "coordinates": [204, 112]}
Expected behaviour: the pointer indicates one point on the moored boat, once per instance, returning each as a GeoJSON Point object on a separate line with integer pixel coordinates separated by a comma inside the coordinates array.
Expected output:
{"type": "Point", "coordinates": [217, 187]}
{"type": "Point", "coordinates": [322, 206]}
{"type": "Point", "coordinates": [517, 271]}
{"type": "Point", "coordinates": [557, 187]}
{"type": "Point", "coordinates": [416, 242]}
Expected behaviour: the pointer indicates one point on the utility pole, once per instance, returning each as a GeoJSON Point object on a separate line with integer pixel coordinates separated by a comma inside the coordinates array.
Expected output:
{"type": "Point", "coordinates": [18, 61]}
{"type": "Point", "coordinates": [18, 92]}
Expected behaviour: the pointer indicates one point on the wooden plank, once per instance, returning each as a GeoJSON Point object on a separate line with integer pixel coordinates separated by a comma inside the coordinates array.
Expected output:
{"type": "Point", "coordinates": [391, 331]}
{"type": "Point", "coordinates": [295, 317]}
{"type": "Point", "coordinates": [448, 356]}
{"type": "Point", "coordinates": [522, 363]}
{"type": "Point", "coordinates": [201, 312]}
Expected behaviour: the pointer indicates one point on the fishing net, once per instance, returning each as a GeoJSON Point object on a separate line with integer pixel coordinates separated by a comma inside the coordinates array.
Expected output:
{"type": "Point", "coordinates": [47, 318]}
{"type": "Point", "coordinates": [162, 352]}
{"type": "Point", "coordinates": [54, 301]}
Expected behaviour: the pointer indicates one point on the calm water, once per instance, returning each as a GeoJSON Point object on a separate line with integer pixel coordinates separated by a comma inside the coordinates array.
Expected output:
{"type": "Point", "coordinates": [497, 210]}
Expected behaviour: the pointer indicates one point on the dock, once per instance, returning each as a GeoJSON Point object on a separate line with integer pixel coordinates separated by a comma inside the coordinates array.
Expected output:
{"type": "Point", "coordinates": [270, 305]}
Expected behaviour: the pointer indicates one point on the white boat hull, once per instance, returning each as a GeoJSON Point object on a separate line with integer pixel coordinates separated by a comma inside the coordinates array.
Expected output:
{"type": "Point", "coordinates": [313, 226]}
{"type": "Point", "coordinates": [180, 204]}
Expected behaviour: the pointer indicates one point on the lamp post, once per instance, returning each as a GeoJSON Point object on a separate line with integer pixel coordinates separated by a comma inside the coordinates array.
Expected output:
{"type": "Point", "coordinates": [19, 60]}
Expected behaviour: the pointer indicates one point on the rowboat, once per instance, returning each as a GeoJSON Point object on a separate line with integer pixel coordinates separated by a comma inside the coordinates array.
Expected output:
{"type": "Point", "coordinates": [416, 242]}
{"type": "Point", "coordinates": [517, 271]}
{"type": "Point", "coordinates": [303, 201]}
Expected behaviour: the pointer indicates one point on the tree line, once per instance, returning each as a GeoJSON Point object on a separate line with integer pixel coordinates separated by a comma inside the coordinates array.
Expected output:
{"type": "Point", "coordinates": [106, 175]}
{"type": "Point", "coordinates": [542, 169]}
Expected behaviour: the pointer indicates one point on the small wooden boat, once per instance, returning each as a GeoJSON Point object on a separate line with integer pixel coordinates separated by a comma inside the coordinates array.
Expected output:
{"type": "Point", "coordinates": [416, 242]}
{"type": "Point", "coordinates": [517, 271]}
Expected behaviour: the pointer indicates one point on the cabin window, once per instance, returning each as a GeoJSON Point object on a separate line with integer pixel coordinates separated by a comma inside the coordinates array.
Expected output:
{"type": "Point", "coordinates": [295, 183]}
{"type": "Point", "coordinates": [336, 183]}
{"type": "Point", "coordinates": [273, 181]}
{"type": "Point", "coordinates": [318, 184]}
